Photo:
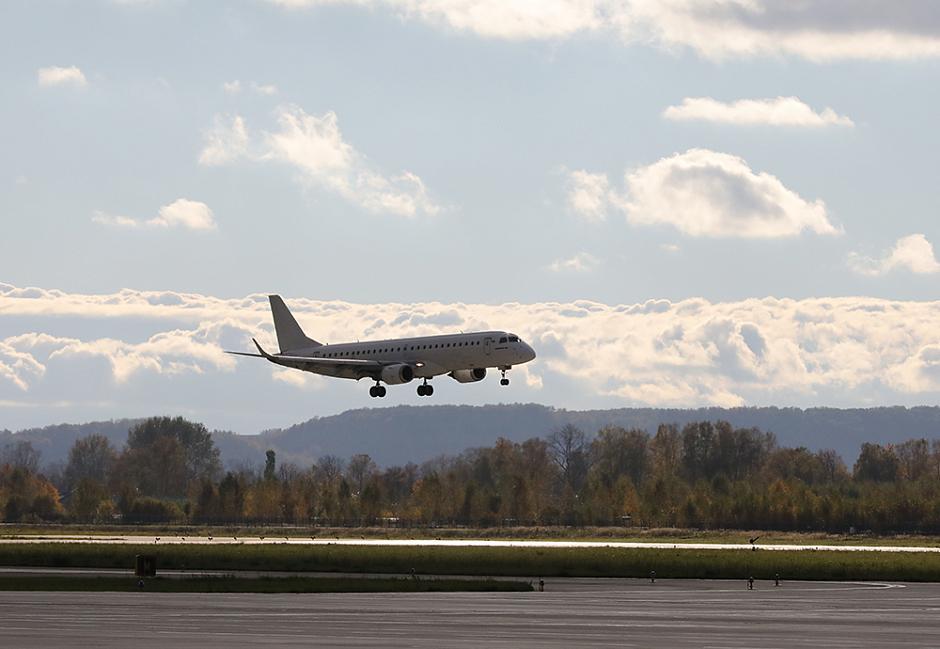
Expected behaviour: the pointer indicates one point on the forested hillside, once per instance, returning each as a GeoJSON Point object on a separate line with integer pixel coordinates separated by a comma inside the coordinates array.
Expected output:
{"type": "Point", "coordinates": [704, 475]}
{"type": "Point", "coordinates": [403, 434]}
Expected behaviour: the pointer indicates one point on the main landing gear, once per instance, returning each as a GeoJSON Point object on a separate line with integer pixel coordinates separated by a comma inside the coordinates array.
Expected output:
{"type": "Point", "coordinates": [377, 391]}
{"type": "Point", "coordinates": [425, 390]}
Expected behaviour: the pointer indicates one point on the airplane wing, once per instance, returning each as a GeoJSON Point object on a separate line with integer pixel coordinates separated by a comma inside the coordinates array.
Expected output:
{"type": "Point", "coordinates": [345, 367]}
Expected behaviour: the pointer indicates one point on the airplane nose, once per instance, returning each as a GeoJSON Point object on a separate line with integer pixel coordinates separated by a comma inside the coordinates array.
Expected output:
{"type": "Point", "coordinates": [529, 353]}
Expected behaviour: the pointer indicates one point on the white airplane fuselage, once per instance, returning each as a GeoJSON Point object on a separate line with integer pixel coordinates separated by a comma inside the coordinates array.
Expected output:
{"type": "Point", "coordinates": [429, 355]}
{"type": "Point", "coordinates": [465, 357]}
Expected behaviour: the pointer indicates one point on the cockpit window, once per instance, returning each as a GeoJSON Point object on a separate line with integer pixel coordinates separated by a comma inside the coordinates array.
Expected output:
{"type": "Point", "coordinates": [513, 339]}
{"type": "Point", "coordinates": [503, 339]}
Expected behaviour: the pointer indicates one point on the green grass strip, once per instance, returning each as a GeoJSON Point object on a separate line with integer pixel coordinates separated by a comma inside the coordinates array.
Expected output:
{"type": "Point", "coordinates": [488, 561]}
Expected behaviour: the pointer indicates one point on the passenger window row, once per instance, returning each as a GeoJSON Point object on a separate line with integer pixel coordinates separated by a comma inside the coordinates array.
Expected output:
{"type": "Point", "coordinates": [386, 350]}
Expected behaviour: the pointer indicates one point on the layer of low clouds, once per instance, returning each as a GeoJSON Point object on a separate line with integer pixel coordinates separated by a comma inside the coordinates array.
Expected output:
{"type": "Point", "coordinates": [702, 193]}
{"type": "Point", "coordinates": [779, 111]}
{"type": "Point", "coordinates": [58, 76]}
{"type": "Point", "coordinates": [819, 30]}
{"type": "Point", "coordinates": [660, 353]}
{"type": "Point", "coordinates": [181, 213]}
{"type": "Point", "coordinates": [913, 253]}
{"type": "Point", "coordinates": [314, 146]}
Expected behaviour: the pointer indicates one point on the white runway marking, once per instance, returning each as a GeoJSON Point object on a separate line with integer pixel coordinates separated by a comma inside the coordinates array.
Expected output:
{"type": "Point", "coordinates": [449, 543]}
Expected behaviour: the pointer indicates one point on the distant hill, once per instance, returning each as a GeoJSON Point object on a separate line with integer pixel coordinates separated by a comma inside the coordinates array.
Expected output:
{"type": "Point", "coordinates": [55, 441]}
{"type": "Point", "coordinates": [418, 433]}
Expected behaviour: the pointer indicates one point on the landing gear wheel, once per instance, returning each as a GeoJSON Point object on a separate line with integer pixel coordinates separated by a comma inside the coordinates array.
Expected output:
{"type": "Point", "coordinates": [373, 391]}
{"type": "Point", "coordinates": [504, 381]}
{"type": "Point", "coordinates": [380, 391]}
{"type": "Point", "coordinates": [425, 390]}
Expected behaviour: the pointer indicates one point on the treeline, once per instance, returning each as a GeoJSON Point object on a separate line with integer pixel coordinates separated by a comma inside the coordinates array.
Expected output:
{"type": "Point", "coordinates": [706, 475]}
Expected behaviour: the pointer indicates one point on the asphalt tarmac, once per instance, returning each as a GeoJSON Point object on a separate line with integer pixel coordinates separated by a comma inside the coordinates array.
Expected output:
{"type": "Point", "coordinates": [570, 613]}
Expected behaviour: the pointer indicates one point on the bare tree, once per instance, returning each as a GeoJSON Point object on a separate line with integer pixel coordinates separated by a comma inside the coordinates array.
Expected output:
{"type": "Point", "coordinates": [567, 447]}
{"type": "Point", "coordinates": [20, 454]}
{"type": "Point", "coordinates": [361, 468]}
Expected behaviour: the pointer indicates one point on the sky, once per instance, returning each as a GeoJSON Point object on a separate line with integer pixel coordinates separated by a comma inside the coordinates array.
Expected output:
{"type": "Point", "coordinates": [677, 203]}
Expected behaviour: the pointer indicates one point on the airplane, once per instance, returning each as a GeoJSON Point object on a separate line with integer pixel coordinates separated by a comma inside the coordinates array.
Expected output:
{"type": "Point", "coordinates": [463, 357]}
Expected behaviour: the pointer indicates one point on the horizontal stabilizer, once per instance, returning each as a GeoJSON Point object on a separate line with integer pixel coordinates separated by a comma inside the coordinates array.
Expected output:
{"type": "Point", "coordinates": [245, 354]}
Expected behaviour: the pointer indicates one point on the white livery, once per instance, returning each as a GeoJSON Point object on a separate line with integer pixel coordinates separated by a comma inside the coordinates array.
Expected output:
{"type": "Point", "coordinates": [463, 357]}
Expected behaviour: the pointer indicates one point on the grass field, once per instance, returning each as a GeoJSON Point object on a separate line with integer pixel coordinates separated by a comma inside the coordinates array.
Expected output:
{"type": "Point", "coordinates": [259, 585]}
{"type": "Point", "coordinates": [521, 562]}
{"type": "Point", "coordinates": [527, 533]}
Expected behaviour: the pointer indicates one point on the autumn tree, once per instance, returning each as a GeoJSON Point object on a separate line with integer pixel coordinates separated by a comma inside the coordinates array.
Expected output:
{"type": "Point", "coordinates": [90, 458]}
{"type": "Point", "coordinates": [876, 463]}
{"type": "Point", "coordinates": [164, 455]}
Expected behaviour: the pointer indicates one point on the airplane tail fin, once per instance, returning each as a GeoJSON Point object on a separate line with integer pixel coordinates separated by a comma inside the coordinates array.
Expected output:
{"type": "Point", "coordinates": [289, 334]}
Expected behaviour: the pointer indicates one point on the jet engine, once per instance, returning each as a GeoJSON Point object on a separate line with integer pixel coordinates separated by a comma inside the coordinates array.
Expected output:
{"type": "Point", "coordinates": [397, 374]}
{"type": "Point", "coordinates": [469, 376]}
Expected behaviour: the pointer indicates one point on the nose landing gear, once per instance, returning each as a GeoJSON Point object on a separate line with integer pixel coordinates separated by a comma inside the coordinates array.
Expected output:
{"type": "Point", "coordinates": [504, 380]}
{"type": "Point", "coordinates": [425, 390]}
{"type": "Point", "coordinates": [377, 391]}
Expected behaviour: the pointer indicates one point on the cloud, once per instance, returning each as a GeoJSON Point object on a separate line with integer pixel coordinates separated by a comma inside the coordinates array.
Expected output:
{"type": "Point", "coordinates": [503, 19]}
{"type": "Point", "coordinates": [18, 368]}
{"type": "Point", "coordinates": [315, 147]}
{"type": "Point", "coordinates": [780, 111]}
{"type": "Point", "coordinates": [267, 89]}
{"type": "Point", "coordinates": [659, 353]}
{"type": "Point", "coordinates": [587, 194]}
{"type": "Point", "coordinates": [913, 252]}
{"type": "Point", "coordinates": [703, 193]}
{"type": "Point", "coordinates": [235, 87]}
{"type": "Point", "coordinates": [818, 30]}
{"type": "Point", "coordinates": [226, 141]}
{"type": "Point", "coordinates": [56, 76]}
{"type": "Point", "coordinates": [181, 213]}
{"type": "Point", "coordinates": [580, 263]}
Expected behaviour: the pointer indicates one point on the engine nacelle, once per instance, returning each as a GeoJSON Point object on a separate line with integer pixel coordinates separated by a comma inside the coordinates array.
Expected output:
{"type": "Point", "coordinates": [469, 376]}
{"type": "Point", "coordinates": [397, 374]}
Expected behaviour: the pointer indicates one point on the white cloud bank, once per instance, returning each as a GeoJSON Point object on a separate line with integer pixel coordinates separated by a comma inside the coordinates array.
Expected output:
{"type": "Point", "coordinates": [779, 111]}
{"type": "Point", "coordinates": [702, 193]}
{"type": "Point", "coordinates": [819, 30]}
{"type": "Point", "coordinates": [315, 147]}
{"type": "Point", "coordinates": [659, 353]}
{"type": "Point", "coordinates": [181, 213]}
{"type": "Point", "coordinates": [913, 253]}
{"type": "Point", "coordinates": [56, 76]}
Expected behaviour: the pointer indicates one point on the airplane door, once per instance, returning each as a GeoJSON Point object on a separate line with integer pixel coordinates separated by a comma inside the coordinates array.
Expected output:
{"type": "Point", "coordinates": [486, 345]}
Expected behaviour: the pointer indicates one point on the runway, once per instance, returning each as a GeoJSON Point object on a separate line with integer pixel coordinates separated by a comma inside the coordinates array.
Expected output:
{"type": "Point", "coordinates": [571, 613]}
{"type": "Point", "coordinates": [490, 543]}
